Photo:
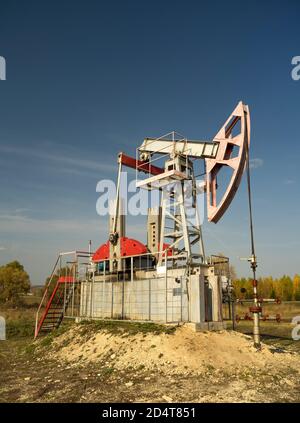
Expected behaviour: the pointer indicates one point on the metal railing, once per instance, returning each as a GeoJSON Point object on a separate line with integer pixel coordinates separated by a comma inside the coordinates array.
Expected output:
{"type": "Point", "coordinates": [140, 291]}
{"type": "Point", "coordinates": [66, 268]}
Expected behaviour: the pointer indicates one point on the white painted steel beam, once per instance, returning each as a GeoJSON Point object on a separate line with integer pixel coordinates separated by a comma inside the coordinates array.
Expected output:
{"type": "Point", "coordinates": [197, 149]}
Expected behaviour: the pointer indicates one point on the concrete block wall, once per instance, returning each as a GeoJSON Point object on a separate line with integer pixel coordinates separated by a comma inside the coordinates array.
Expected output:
{"type": "Point", "coordinates": [155, 299]}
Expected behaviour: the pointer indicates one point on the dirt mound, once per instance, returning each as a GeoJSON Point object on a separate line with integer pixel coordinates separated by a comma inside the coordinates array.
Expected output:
{"type": "Point", "coordinates": [181, 352]}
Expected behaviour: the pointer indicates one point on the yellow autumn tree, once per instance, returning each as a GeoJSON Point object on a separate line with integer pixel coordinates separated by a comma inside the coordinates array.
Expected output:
{"type": "Point", "coordinates": [296, 288]}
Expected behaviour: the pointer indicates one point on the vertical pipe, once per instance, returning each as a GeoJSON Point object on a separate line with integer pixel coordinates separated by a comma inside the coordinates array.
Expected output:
{"type": "Point", "coordinates": [90, 298]}
{"type": "Point", "coordinates": [65, 290]}
{"type": "Point", "coordinates": [73, 290]}
{"type": "Point", "coordinates": [123, 293]}
{"type": "Point", "coordinates": [131, 284]}
{"type": "Point", "coordinates": [86, 296]}
{"type": "Point", "coordinates": [116, 212]}
{"type": "Point", "coordinates": [112, 299]}
{"type": "Point", "coordinates": [166, 284]}
{"type": "Point", "coordinates": [149, 299]}
{"type": "Point", "coordinates": [255, 308]}
{"type": "Point", "coordinates": [181, 298]}
{"type": "Point", "coordinates": [93, 293]}
{"type": "Point", "coordinates": [233, 314]}
{"type": "Point", "coordinates": [256, 311]}
{"type": "Point", "coordinates": [102, 290]}
{"type": "Point", "coordinates": [104, 287]}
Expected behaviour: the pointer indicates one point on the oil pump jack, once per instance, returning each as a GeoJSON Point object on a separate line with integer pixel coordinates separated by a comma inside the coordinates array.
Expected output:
{"type": "Point", "coordinates": [170, 279]}
{"type": "Point", "coordinates": [174, 258]}
{"type": "Point", "coordinates": [179, 154]}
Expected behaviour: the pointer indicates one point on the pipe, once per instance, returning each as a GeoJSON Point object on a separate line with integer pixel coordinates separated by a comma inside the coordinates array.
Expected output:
{"type": "Point", "coordinates": [256, 307]}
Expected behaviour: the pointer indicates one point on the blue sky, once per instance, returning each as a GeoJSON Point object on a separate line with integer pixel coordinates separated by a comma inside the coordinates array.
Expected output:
{"type": "Point", "coordinates": [86, 80]}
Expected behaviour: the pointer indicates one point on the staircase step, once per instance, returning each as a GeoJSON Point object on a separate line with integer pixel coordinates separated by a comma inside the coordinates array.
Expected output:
{"type": "Point", "coordinates": [51, 317]}
{"type": "Point", "coordinates": [57, 310]}
{"type": "Point", "coordinates": [49, 324]}
{"type": "Point", "coordinates": [59, 303]}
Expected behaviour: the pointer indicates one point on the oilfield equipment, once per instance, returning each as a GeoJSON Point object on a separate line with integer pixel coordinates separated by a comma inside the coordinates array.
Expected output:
{"type": "Point", "coordinates": [260, 303]}
{"type": "Point", "coordinates": [169, 279]}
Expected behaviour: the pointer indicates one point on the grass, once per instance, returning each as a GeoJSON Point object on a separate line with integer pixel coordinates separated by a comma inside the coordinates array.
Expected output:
{"type": "Point", "coordinates": [47, 340]}
{"type": "Point", "coordinates": [20, 329]}
{"type": "Point", "coordinates": [119, 327]}
{"type": "Point", "coordinates": [278, 335]}
{"type": "Point", "coordinates": [287, 309]}
{"type": "Point", "coordinates": [107, 370]}
{"type": "Point", "coordinates": [21, 357]}
{"type": "Point", "coordinates": [20, 321]}
{"type": "Point", "coordinates": [20, 326]}
{"type": "Point", "coordinates": [275, 334]}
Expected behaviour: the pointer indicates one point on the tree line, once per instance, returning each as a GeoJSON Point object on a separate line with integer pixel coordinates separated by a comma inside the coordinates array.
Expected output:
{"type": "Point", "coordinates": [14, 282]}
{"type": "Point", "coordinates": [285, 288]}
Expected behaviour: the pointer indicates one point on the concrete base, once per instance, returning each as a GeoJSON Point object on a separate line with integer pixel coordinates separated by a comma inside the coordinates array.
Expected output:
{"type": "Point", "coordinates": [207, 326]}
{"type": "Point", "coordinates": [157, 299]}
{"type": "Point", "coordinates": [169, 297]}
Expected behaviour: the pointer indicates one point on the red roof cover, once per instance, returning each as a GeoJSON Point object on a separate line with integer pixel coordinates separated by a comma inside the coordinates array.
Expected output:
{"type": "Point", "coordinates": [129, 247]}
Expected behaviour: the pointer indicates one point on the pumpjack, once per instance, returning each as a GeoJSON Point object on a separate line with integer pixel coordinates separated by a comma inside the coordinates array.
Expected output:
{"type": "Point", "coordinates": [169, 279]}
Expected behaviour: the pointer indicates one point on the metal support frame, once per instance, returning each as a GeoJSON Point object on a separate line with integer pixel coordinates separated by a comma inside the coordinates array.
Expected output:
{"type": "Point", "coordinates": [185, 234]}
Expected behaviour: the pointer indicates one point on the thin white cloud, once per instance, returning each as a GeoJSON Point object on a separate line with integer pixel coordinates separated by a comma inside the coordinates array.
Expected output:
{"type": "Point", "coordinates": [22, 224]}
{"type": "Point", "coordinates": [62, 159]}
{"type": "Point", "coordinates": [2, 248]}
{"type": "Point", "coordinates": [256, 163]}
{"type": "Point", "coordinates": [289, 181]}
{"type": "Point", "coordinates": [18, 224]}
{"type": "Point", "coordinates": [22, 210]}
{"type": "Point", "coordinates": [77, 172]}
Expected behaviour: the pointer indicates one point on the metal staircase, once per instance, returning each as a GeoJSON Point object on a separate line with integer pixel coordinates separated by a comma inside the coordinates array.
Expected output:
{"type": "Point", "coordinates": [57, 305]}
{"type": "Point", "coordinates": [70, 269]}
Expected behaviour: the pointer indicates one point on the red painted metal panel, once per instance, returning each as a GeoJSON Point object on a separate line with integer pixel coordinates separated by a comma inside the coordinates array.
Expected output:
{"type": "Point", "coordinates": [129, 247]}
{"type": "Point", "coordinates": [102, 253]}
{"type": "Point", "coordinates": [66, 279]}
{"type": "Point", "coordinates": [139, 165]}
{"type": "Point", "coordinates": [132, 247]}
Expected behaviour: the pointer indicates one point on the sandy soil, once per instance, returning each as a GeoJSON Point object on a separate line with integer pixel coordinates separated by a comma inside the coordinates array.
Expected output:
{"type": "Point", "coordinates": [83, 365]}
{"type": "Point", "coordinates": [181, 352]}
